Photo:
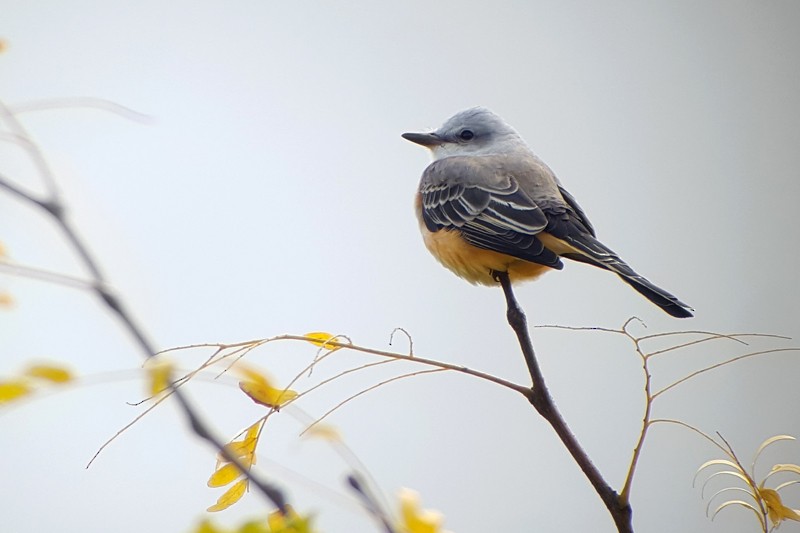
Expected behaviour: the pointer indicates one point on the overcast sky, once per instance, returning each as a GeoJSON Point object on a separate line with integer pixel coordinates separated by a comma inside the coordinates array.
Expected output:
{"type": "Point", "coordinates": [272, 193]}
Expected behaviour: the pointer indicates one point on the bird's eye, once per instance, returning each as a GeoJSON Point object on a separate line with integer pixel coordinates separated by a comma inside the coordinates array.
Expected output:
{"type": "Point", "coordinates": [466, 135]}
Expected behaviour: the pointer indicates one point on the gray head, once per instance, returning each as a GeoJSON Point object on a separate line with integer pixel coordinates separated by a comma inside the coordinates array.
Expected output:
{"type": "Point", "coordinates": [475, 131]}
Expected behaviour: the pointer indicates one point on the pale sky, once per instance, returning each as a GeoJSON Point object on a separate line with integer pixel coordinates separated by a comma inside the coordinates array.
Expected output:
{"type": "Point", "coordinates": [272, 193]}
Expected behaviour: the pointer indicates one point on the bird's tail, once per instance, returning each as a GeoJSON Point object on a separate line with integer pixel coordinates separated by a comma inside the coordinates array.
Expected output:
{"type": "Point", "coordinates": [595, 253]}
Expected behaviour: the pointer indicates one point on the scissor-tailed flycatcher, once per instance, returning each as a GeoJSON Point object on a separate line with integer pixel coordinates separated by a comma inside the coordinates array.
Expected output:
{"type": "Point", "coordinates": [488, 204]}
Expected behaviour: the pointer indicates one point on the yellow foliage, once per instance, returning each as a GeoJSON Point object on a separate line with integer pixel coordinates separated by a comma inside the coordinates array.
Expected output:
{"type": "Point", "coordinates": [13, 389]}
{"type": "Point", "coordinates": [276, 522]}
{"type": "Point", "coordinates": [415, 519]}
{"type": "Point", "coordinates": [321, 339]}
{"type": "Point", "coordinates": [49, 372]}
{"type": "Point", "coordinates": [764, 498]}
{"type": "Point", "coordinates": [226, 472]}
{"type": "Point", "coordinates": [775, 509]}
{"type": "Point", "coordinates": [159, 373]}
{"type": "Point", "coordinates": [33, 377]}
{"type": "Point", "coordinates": [231, 496]}
{"type": "Point", "coordinates": [260, 388]}
{"type": "Point", "coordinates": [224, 475]}
{"type": "Point", "coordinates": [267, 395]}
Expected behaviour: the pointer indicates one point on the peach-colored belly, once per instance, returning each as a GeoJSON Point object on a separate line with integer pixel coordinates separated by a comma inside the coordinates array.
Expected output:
{"type": "Point", "coordinates": [475, 264]}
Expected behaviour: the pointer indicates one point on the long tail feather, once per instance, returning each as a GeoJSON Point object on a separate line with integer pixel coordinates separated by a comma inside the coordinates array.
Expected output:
{"type": "Point", "coordinates": [595, 253]}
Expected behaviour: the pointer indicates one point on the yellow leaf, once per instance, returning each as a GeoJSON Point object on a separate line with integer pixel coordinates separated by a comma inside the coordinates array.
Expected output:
{"type": "Point", "coordinates": [3, 251]}
{"type": "Point", "coordinates": [159, 372]}
{"type": "Point", "coordinates": [231, 496]}
{"type": "Point", "coordinates": [267, 395]}
{"type": "Point", "coordinates": [11, 390]}
{"type": "Point", "coordinates": [56, 374]}
{"type": "Point", "coordinates": [416, 520]}
{"type": "Point", "coordinates": [224, 475]}
{"type": "Point", "coordinates": [252, 431]}
{"type": "Point", "coordinates": [240, 448]}
{"type": "Point", "coordinates": [320, 338]}
{"type": "Point", "coordinates": [244, 450]}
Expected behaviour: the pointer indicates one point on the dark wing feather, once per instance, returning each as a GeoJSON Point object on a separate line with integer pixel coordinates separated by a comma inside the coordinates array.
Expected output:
{"type": "Point", "coordinates": [496, 216]}
{"type": "Point", "coordinates": [573, 203]}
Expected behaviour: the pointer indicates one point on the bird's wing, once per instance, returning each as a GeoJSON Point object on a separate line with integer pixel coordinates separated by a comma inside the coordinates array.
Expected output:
{"type": "Point", "coordinates": [577, 209]}
{"type": "Point", "coordinates": [488, 207]}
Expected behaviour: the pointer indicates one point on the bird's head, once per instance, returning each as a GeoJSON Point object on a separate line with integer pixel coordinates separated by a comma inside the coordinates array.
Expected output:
{"type": "Point", "coordinates": [474, 131]}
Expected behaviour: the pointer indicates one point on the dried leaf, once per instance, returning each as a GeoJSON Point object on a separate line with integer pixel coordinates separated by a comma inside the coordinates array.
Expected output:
{"type": "Point", "coordinates": [736, 502]}
{"type": "Point", "coordinates": [719, 462]}
{"type": "Point", "coordinates": [231, 496]}
{"type": "Point", "coordinates": [768, 442]}
{"type": "Point", "coordinates": [54, 373]}
{"type": "Point", "coordinates": [775, 509]}
{"type": "Point", "coordinates": [724, 473]}
{"type": "Point", "coordinates": [224, 475]}
{"type": "Point", "coordinates": [785, 468]}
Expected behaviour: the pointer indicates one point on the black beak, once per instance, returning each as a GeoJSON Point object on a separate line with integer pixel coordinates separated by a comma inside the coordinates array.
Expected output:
{"type": "Point", "coordinates": [425, 139]}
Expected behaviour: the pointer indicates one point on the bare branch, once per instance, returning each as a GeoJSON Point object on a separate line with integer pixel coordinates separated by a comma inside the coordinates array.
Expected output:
{"type": "Point", "coordinates": [539, 396]}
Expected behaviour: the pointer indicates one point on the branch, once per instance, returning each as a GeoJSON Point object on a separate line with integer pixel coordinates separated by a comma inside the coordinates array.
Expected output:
{"type": "Point", "coordinates": [539, 396]}
{"type": "Point", "coordinates": [57, 211]}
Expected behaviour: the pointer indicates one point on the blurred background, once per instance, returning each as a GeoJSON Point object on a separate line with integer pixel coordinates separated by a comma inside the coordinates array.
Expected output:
{"type": "Point", "coordinates": [271, 193]}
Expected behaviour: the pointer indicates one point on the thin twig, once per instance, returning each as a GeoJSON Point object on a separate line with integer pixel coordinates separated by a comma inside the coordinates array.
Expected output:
{"type": "Point", "coordinates": [625, 493]}
{"type": "Point", "coordinates": [369, 389]}
{"type": "Point", "coordinates": [723, 363]}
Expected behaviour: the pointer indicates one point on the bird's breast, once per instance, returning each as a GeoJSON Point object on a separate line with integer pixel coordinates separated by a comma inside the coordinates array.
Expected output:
{"type": "Point", "coordinates": [469, 262]}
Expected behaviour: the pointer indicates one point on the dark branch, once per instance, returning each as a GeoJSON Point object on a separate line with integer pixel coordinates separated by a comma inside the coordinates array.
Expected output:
{"type": "Point", "coordinates": [99, 286]}
{"type": "Point", "coordinates": [539, 396]}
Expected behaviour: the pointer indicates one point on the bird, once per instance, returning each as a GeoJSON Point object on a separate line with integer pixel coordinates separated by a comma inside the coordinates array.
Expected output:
{"type": "Point", "coordinates": [488, 204]}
